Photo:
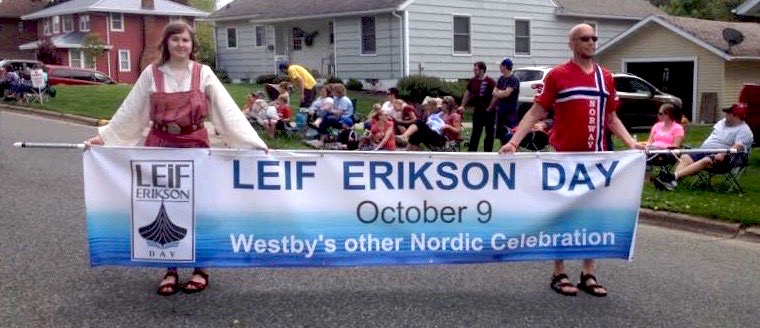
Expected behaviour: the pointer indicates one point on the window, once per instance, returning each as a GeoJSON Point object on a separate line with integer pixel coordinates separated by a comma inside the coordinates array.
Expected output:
{"type": "Point", "coordinates": [462, 35]}
{"type": "Point", "coordinates": [369, 40]}
{"type": "Point", "coordinates": [56, 24]}
{"type": "Point", "coordinates": [46, 26]}
{"type": "Point", "coordinates": [297, 38]}
{"type": "Point", "coordinates": [522, 37]}
{"type": "Point", "coordinates": [68, 23]}
{"type": "Point", "coordinates": [231, 38]}
{"type": "Point", "coordinates": [124, 64]}
{"type": "Point", "coordinates": [261, 35]}
{"type": "Point", "coordinates": [77, 59]}
{"type": "Point", "coordinates": [84, 23]}
{"type": "Point", "coordinates": [117, 22]}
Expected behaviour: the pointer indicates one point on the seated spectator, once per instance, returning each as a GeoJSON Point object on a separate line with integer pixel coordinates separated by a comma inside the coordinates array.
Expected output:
{"type": "Point", "coordinates": [281, 118]}
{"type": "Point", "coordinates": [730, 132]}
{"type": "Point", "coordinates": [429, 131]}
{"type": "Point", "coordinates": [315, 109]}
{"type": "Point", "coordinates": [452, 129]}
{"type": "Point", "coordinates": [381, 135]}
{"type": "Point", "coordinates": [403, 116]}
{"type": "Point", "coordinates": [341, 116]}
{"type": "Point", "coordinates": [665, 134]}
{"type": "Point", "coordinates": [387, 106]}
{"type": "Point", "coordinates": [255, 107]}
{"type": "Point", "coordinates": [13, 80]}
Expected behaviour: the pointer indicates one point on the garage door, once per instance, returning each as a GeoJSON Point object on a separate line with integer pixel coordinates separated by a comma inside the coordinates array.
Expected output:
{"type": "Point", "coordinates": [676, 78]}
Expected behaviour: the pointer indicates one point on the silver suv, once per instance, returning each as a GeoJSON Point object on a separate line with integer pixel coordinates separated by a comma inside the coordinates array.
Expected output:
{"type": "Point", "coordinates": [531, 80]}
{"type": "Point", "coordinates": [640, 101]}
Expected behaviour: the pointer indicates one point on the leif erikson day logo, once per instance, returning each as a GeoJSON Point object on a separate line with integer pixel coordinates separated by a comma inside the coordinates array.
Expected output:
{"type": "Point", "coordinates": [163, 211]}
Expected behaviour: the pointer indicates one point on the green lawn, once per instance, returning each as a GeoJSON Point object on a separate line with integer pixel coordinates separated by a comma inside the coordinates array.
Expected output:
{"type": "Point", "coordinates": [102, 102]}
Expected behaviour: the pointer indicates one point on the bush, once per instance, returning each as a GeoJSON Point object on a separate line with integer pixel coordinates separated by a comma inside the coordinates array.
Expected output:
{"type": "Point", "coordinates": [416, 87]}
{"type": "Point", "coordinates": [354, 85]}
{"type": "Point", "coordinates": [334, 79]}
{"type": "Point", "coordinates": [222, 76]}
{"type": "Point", "coordinates": [270, 78]}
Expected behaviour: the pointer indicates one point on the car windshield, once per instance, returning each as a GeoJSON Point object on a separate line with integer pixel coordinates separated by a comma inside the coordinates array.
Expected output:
{"type": "Point", "coordinates": [528, 74]}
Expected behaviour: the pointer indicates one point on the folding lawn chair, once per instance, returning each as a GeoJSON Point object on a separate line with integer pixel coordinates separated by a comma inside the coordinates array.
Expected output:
{"type": "Point", "coordinates": [724, 177]}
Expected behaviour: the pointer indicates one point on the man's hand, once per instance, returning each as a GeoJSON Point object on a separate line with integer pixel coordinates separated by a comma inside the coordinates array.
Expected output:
{"type": "Point", "coordinates": [720, 157]}
{"type": "Point", "coordinates": [509, 148]}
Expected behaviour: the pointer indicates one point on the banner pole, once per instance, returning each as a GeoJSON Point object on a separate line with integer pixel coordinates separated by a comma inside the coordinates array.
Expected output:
{"type": "Point", "coordinates": [691, 151]}
{"type": "Point", "coordinates": [48, 145]}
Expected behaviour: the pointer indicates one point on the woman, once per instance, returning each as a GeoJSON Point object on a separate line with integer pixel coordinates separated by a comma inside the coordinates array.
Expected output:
{"type": "Point", "coordinates": [428, 131]}
{"type": "Point", "coordinates": [381, 135]}
{"type": "Point", "coordinates": [665, 134]}
{"type": "Point", "coordinates": [176, 94]}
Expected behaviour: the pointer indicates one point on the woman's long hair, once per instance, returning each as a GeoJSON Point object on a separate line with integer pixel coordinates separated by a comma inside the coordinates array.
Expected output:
{"type": "Point", "coordinates": [176, 27]}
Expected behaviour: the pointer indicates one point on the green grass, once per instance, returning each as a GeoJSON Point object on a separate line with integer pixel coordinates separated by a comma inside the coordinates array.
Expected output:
{"type": "Point", "coordinates": [103, 101]}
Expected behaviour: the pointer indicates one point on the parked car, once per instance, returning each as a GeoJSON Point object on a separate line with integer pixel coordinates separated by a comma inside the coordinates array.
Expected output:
{"type": "Point", "coordinates": [21, 65]}
{"type": "Point", "coordinates": [76, 76]}
{"type": "Point", "coordinates": [640, 101]}
{"type": "Point", "coordinates": [531, 80]}
{"type": "Point", "coordinates": [750, 95]}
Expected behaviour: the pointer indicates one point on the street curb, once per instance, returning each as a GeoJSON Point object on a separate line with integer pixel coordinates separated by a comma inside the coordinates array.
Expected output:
{"type": "Point", "coordinates": [751, 234]}
{"type": "Point", "coordinates": [54, 114]}
{"type": "Point", "coordinates": [691, 223]}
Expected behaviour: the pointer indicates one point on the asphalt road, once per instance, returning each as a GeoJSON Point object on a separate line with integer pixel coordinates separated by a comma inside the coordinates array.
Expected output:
{"type": "Point", "coordinates": [678, 279]}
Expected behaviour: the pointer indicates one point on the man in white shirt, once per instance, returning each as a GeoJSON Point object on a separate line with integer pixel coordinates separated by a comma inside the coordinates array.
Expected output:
{"type": "Point", "coordinates": [729, 133]}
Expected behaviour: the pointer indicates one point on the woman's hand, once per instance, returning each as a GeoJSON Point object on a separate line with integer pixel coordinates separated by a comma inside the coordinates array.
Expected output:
{"type": "Point", "coordinates": [96, 140]}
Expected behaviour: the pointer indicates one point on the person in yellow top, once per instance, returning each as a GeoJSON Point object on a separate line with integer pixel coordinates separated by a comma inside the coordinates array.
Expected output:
{"type": "Point", "coordinates": [305, 82]}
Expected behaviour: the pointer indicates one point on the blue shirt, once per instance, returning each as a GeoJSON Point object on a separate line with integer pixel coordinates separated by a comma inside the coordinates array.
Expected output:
{"type": "Point", "coordinates": [508, 106]}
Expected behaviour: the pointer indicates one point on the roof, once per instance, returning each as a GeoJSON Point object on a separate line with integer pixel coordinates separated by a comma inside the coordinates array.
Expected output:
{"type": "Point", "coordinates": [705, 33]}
{"type": "Point", "coordinates": [748, 8]}
{"type": "Point", "coordinates": [259, 10]}
{"type": "Point", "coordinates": [160, 7]}
{"type": "Point", "coordinates": [62, 41]}
{"type": "Point", "coordinates": [18, 8]}
{"type": "Point", "coordinates": [615, 9]}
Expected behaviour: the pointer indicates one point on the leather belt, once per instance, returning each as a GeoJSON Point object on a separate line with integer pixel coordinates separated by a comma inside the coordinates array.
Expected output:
{"type": "Point", "coordinates": [174, 128]}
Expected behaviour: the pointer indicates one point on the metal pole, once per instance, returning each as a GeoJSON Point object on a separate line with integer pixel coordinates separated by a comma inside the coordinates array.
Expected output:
{"type": "Point", "coordinates": [691, 151]}
{"type": "Point", "coordinates": [48, 145]}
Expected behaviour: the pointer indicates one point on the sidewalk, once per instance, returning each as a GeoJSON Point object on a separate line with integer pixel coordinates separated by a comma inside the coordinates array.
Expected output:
{"type": "Point", "coordinates": [665, 219]}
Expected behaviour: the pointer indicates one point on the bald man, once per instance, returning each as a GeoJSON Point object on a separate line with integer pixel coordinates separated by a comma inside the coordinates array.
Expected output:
{"type": "Point", "coordinates": [582, 95]}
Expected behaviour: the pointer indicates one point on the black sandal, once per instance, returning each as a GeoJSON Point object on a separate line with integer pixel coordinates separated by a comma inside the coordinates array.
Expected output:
{"type": "Point", "coordinates": [197, 286]}
{"type": "Point", "coordinates": [558, 286]}
{"type": "Point", "coordinates": [591, 289]}
{"type": "Point", "coordinates": [174, 286]}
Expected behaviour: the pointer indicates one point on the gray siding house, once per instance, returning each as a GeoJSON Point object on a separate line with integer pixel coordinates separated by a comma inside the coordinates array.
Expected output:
{"type": "Point", "coordinates": [380, 41]}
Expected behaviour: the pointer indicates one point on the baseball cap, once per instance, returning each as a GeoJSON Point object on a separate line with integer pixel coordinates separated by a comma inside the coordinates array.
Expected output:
{"type": "Point", "coordinates": [739, 110]}
{"type": "Point", "coordinates": [506, 62]}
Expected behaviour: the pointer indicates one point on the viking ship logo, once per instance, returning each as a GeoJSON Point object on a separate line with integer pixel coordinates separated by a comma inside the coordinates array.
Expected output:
{"type": "Point", "coordinates": [162, 232]}
{"type": "Point", "coordinates": [163, 210]}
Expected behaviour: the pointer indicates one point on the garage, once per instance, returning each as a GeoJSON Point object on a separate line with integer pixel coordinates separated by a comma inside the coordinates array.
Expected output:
{"type": "Point", "coordinates": [674, 76]}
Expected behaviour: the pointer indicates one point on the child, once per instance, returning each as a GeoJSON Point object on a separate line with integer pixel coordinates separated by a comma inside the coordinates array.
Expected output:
{"type": "Point", "coordinates": [280, 117]}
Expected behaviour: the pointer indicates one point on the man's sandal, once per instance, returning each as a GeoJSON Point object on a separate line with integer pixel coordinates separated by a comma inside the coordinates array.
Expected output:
{"type": "Point", "coordinates": [169, 288]}
{"type": "Point", "coordinates": [591, 288]}
{"type": "Point", "coordinates": [196, 286]}
{"type": "Point", "coordinates": [559, 286]}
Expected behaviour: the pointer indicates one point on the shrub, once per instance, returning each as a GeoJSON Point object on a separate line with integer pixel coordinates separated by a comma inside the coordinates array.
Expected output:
{"type": "Point", "coordinates": [354, 85]}
{"type": "Point", "coordinates": [270, 78]}
{"type": "Point", "coordinates": [222, 75]}
{"type": "Point", "coordinates": [334, 79]}
{"type": "Point", "coordinates": [416, 87]}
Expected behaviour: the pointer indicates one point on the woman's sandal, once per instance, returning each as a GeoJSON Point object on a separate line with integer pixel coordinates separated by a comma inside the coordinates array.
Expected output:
{"type": "Point", "coordinates": [197, 286]}
{"type": "Point", "coordinates": [169, 288]}
{"type": "Point", "coordinates": [591, 289]}
{"type": "Point", "coordinates": [558, 286]}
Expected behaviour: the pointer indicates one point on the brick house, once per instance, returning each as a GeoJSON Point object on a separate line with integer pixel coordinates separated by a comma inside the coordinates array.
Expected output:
{"type": "Point", "coordinates": [130, 31]}
{"type": "Point", "coordinates": [15, 32]}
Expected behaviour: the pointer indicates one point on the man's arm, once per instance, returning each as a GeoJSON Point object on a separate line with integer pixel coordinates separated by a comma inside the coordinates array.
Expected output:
{"type": "Point", "coordinates": [465, 99]}
{"type": "Point", "coordinates": [536, 114]}
{"type": "Point", "coordinates": [617, 128]}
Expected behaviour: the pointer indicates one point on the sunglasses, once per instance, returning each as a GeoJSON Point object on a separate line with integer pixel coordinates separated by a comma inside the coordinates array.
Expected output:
{"type": "Point", "coordinates": [660, 113]}
{"type": "Point", "coordinates": [587, 38]}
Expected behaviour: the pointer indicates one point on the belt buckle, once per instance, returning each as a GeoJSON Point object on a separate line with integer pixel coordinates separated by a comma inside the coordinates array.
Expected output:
{"type": "Point", "coordinates": [173, 128]}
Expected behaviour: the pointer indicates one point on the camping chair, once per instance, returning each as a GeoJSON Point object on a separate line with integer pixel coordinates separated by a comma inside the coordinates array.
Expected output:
{"type": "Point", "coordinates": [727, 176]}
{"type": "Point", "coordinates": [661, 163]}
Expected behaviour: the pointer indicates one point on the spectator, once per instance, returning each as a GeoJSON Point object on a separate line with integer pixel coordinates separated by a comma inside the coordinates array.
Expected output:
{"type": "Point", "coordinates": [452, 130]}
{"type": "Point", "coordinates": [665, 134]}
{"type": "Point", "coordinates": [505, 99]}
{"type": "Point", "coordinates": [428, 131]}
{"type": "Point", "coordinates": [255, 106]}
{"type": "Point", "coordinates": [280, 119]}
{"type": "Point", "coordinates": [303, 80]}
{"type": "Point", "coordinates": [381, 135]}
{"type": "Point", "coordinates": [392, 95]}
{"type": "Point", "coordinates": [478, 95]}
{"type": "Point", "coordinates": [403, 115]}
{"type": "Point", "coordinates": [730, 132]}
{"type": "Point", "coordinates": [340, 117]}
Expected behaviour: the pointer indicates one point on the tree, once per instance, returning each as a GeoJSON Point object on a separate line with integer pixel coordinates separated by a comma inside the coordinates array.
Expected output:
{"type": "Point", "coordinates": [205, 34]}
{"type": "Point", "coordinates": [703, 9]}
{"type": "Point", "coordinates": [92, 47]}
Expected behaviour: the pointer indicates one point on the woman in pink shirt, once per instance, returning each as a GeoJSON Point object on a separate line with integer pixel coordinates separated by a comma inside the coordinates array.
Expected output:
{"type": "Point", "coordinates": [667, 133]}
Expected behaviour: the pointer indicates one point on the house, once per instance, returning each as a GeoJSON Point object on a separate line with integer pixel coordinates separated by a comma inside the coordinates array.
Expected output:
{"type": "Point", "coordinates": [14, 31]}
{"type": "Point", "coordinates": [689, 58]}
{"type": "Point", "coordinates": [748, 10]}
{"type": "Point", "coordinates": [129, 30]}
{"type": "Point", "coordinates": [380, 41]}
